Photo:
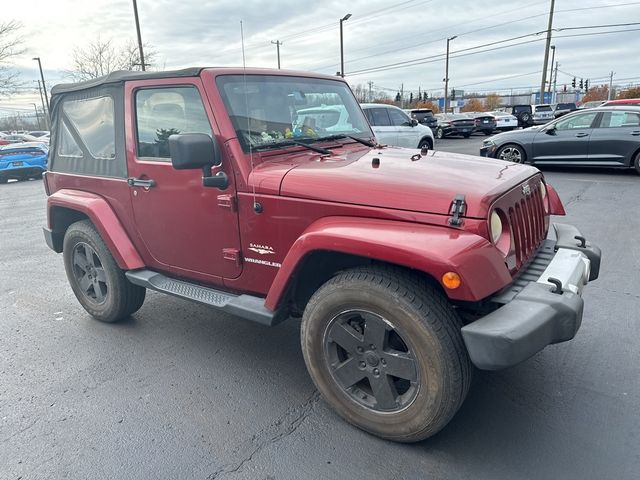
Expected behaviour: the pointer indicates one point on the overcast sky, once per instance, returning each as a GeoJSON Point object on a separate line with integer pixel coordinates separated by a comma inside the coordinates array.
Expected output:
{"type": "Point", "coordinates": [379, 34]}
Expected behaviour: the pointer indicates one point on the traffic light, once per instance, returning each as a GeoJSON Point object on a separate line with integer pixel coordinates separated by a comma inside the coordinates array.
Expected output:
{"type": "Point", "coordinates": [581, 84]}
{"type": "Point", "coordinates": [453, 94]}
{"type": "Point", "coordinates": [573, 82]}
{"type": "Point", "coordinates": [586, 85]}
{"type": "Point", "coordinates": [564, 88]}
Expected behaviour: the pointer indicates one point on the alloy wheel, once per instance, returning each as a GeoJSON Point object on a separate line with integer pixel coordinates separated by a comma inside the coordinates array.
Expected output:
{"type": "Point", "coordinates": [89, 273]}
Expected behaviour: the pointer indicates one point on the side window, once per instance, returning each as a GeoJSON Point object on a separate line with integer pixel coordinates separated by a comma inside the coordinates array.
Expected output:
{"type": "Point", "coordinates": [576, 121]}
{"type": "Point", "coordinates": [379, 117]}
{"type": "Point", "coordinates": [92, 119]}
{"type": "Point", "coordinates": [399, 119]}
{"type": "Point", "coordinates": [162, 112]}
{"type": "Point", "coordinates": [619, 119]}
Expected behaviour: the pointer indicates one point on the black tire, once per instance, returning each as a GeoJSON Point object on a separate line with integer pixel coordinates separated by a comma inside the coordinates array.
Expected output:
{"type": "Point", "coordinates": [96, 280]}
{"type": "Point", "coordinates": [525, 117]}
{"type": "Point", "coordinates": [488, 132]}
{"type": "Point", "coordinates": [409, 309]}
{"type": "Point", "coordinates": [636, 163]}
{"type": "Point", "coordinates": [3, 180]}
{"type": "Point", "coordinates": [466, 135]}
{"type": "Point", "coordinates": [512, 153]}
{"type": "Point", "coordinates": [426, 142]}
{"type": "Point", "coordinates": [439, 133]}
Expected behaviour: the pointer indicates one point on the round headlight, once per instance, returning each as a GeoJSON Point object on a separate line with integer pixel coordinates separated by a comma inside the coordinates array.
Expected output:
{"type": "Point", "coordinates": [496, 227]}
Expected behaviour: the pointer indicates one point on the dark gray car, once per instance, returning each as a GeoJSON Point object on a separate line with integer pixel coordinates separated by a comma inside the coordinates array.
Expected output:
{"type": "Point", "coordinates": [604, 136]}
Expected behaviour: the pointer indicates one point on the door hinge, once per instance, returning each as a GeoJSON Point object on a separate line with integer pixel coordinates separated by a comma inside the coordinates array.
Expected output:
{"type": "Point", "coordinates": [227, 201]}
{"type": "Point", "coordinates": [458, 207]}
{"type": "Point", "coordinates": [232, 255]}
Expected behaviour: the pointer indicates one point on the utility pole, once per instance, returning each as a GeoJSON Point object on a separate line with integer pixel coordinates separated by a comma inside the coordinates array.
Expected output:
{"type": "Point", "coordinates": [446, 76]}
{"type": "Point", "coordinates": [546, 52]}
{"type": "Point", "coordinates": [135, 13]}
{"type": "Point", "coordinates": [370, 93]}
{"type": "Point", "coordinates": [610, 85]}
{"type": "Point", "coordinates": [35, 109]}
{"type": "Point", "coordinates": [277, 43]}
{"type": "Point", "coordinates": [44, 87]}
{"type": "Point", "coordinates": [44, 111]}
{"type": "Point", "coordinates": [553, 59]}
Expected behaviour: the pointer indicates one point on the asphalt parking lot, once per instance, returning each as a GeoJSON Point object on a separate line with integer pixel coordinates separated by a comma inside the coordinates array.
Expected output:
{"type": "Point", "coordinates": [180, 391]}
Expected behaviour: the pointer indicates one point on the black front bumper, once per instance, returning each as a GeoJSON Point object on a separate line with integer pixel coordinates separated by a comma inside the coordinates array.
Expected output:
{"type": "Point", "coordinates": [488, 151]}
{"type": "Point", "coordinates": [538, 314]}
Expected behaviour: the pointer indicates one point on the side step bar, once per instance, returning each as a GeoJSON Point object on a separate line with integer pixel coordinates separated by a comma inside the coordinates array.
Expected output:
{"type": "Point", "coordinates": [245, 306]}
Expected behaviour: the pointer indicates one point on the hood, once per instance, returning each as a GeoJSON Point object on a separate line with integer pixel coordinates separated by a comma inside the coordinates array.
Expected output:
{"type": "Point", "coordinates": [524, 134]}
{"type": "Point", "coordinates": [422, 184]}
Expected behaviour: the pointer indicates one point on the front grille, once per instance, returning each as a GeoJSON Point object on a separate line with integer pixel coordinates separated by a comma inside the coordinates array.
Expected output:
{"type": "Point", "coordinates": [528, 224]}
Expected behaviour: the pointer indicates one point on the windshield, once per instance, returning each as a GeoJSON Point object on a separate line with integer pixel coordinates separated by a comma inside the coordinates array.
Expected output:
{"type": "Point", "coordinates": [544, 108]}
{"type": "Point", "coordinates": [270, 110]}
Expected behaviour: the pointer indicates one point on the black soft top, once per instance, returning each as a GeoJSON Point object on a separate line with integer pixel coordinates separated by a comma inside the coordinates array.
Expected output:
{"type": "Point", "coordinates": [123, 75]}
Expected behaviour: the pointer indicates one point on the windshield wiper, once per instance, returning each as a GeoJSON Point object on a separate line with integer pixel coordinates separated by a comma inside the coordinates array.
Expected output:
{"type": "Point", "coordinates": [341, 135]}
{"type": "Point", "coordinates": [288, 143]}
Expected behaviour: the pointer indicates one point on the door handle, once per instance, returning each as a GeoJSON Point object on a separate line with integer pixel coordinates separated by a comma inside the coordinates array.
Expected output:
{"type": "Point", "coordinates": [139, 182]}
{"type": "Point", "coordinates": [580, 135]}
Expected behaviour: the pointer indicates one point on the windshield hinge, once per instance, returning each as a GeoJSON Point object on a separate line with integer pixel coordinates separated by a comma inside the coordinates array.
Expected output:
{"type": "Point", "coordinates": [458, 207]}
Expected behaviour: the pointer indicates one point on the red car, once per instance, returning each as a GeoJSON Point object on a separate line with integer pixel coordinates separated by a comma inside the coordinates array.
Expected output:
{"type": "Point", "coordinates": [622, 102]}
{"type": "Point", "coordinates": [407, 267]}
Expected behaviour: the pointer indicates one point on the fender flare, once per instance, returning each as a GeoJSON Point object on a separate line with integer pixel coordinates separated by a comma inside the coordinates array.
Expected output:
{"type": "Point", "coordinates": [431, 249]}
{"type": "Point", "coordinates": [103, 218]}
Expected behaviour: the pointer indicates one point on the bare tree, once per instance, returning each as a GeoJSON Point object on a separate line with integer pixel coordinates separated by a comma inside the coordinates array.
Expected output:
{"type": "Point", "coordinates": [10, 46]}
{"type": "Point", "coordinates": [101, 57]}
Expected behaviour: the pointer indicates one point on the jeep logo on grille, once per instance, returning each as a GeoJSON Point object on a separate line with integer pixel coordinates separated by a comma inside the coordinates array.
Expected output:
{"type": "Point", "coordinates": [526, 190]}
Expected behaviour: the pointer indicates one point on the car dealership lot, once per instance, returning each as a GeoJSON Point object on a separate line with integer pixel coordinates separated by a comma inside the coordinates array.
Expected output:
{"type": "Point", "coordinates": [181, 391]}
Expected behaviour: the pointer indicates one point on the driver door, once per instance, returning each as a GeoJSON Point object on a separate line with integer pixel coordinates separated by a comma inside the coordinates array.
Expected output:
{"type": "Point", "coordinates": [568, 142]}
{"type": "Point", "coordinates": [182, 226]}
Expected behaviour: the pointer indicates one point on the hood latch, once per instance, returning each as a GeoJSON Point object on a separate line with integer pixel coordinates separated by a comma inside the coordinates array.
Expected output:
{"type": "Point", "coordinates": [458, 207]}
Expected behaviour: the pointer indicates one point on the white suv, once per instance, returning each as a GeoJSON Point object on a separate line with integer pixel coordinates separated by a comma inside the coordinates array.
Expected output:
{"type": "Point", "coordinates": [542, 114]}
{"type": "Point", "coordinates": [392, 126]}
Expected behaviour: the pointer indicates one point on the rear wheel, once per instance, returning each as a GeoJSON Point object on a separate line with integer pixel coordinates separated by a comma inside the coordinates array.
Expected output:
{"type": "Point", "coordinates": [4, 179]}
{"type": "Point", "coordinates": [488, 132]}
{"type": "Point", "coordinates": [636, 163]}
{"type": "Point", "coordinates": [384, 349]}
{"type": "Point", "coordinates": [96, 280]}
{"type": "Point", "coordinates": [511, 153]}
{"type": "Point", "coordinates": [439, 133]}
{"type": "Point", "coordinates": [466, 135]}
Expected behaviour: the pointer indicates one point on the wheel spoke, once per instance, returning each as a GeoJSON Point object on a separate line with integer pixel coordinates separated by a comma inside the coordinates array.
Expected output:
{"type": "Point", "coordinates": [90, 256]}
{"type": "Point", "coordinates": [101, 275]}
{"type": "Point", "coordinates": [80, 260]}
{"type": "Point", "coordinates": [348, 373]}
{"type": "Point", "coordinates": [400, 365]}
{"type": "Point", "coordinates": [384, 391]}
{"type": "Point", "coordinates": [97, 288]}
{"type": "Point", "coordinates": [375, 331]}
{"type": "Point", "coordinates": [85, 283]}
{"type": "Point", "coordinates": [345, 336]}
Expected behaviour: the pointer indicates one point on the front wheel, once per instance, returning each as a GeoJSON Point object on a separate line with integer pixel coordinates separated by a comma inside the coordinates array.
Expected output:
{"type": "Point", "coordinates": [439, 133]}
{"type": "Point", "coordinates": [96, 280]}
{"type": "Point", "coordinates": [466, 135]}
{"type": "Point", "coordinates": [384, 349]}
{"type": "Point", "coordinates": [636, 163]}
{"type": "Point", "coordinates": [511, 153]}
{"type": "Point", "coordinates": [425, 142]}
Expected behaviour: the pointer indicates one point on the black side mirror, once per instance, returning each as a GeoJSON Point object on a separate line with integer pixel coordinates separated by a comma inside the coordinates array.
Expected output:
{"type": "Point", "coordinates": [414, 122]}
{"type": "Point", "coordinates": [190, 151]}
{"type": "Point", "coordinates": [550, 130]}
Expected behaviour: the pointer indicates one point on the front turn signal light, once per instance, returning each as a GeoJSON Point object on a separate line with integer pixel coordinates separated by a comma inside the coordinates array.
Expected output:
{"type": "Point", "coordinates": [451, 280]}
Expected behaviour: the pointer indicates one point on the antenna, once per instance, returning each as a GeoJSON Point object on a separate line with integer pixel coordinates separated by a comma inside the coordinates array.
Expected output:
{"type": "Point", "coordinates": [256, 206]}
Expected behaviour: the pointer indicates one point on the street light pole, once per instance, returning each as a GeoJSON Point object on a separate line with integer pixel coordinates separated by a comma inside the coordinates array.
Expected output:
{"type": "Point", "coordinates": [44, 87]}
{"type": "Point", "coordinates": [343, 19]}
{"type": "Point", "coordinates": [446, 76]}
{"type": "Point", "coordinates": [135, 14]}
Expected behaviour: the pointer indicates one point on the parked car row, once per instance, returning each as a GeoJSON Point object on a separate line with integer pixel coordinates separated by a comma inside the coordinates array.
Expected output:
{"type": "Point", "coordinates": [7, 138]}
{"type": "Point", "coordinates": [601, 136]}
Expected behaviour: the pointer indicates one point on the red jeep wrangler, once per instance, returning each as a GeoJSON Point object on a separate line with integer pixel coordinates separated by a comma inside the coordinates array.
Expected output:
{"type": "Point", "coordinates": [406, 266]}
